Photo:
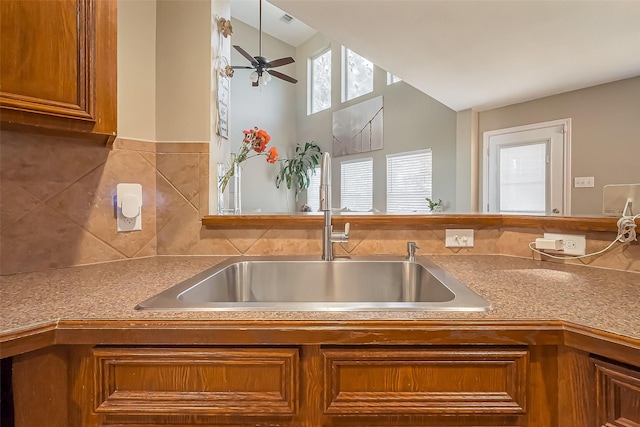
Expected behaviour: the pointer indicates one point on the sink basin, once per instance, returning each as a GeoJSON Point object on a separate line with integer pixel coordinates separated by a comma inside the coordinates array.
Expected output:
{"type": "Point", "coordinates": [294, 284]}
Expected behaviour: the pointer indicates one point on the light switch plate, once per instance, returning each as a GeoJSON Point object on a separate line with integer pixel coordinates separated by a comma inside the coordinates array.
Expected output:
{"type": "Point", "coordinates": [583, 181]}
{"type": "Point", "coordinates": [459, 238]}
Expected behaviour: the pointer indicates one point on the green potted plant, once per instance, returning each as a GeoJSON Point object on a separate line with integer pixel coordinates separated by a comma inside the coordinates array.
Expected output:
{"type": "Point", "coordinates": [294, 172]}
{"type": "Point", "coordinates": [434, 206]}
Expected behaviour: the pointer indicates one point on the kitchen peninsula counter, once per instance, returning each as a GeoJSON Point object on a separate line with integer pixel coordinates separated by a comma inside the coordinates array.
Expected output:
{"type": "Point", "coordinates": [523, 293]}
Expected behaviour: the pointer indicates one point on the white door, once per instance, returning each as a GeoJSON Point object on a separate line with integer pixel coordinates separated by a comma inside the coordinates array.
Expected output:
{"type": "Point", "coordinates": [526, 170]}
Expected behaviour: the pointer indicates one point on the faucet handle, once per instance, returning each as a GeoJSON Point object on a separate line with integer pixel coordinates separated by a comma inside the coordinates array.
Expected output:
{"type": "Point", "coordinates": [347, 229]}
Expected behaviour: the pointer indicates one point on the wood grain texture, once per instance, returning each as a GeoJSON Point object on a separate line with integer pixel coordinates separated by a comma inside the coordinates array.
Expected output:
{"type": "Point", "coordinates": [425, 381]}
{"type": "Point", "coordinates": [40, 388]}
{"type": "Point", "coordinates": [575, 372]}
{"type": "Point", "coordinates": [379, 221]}
{"type": "Point", "coordinates": [617, 395]}
{"type": "Point", "coordinates": [59, 65]}
{"type": "Point", "coordinates": [208, 381]}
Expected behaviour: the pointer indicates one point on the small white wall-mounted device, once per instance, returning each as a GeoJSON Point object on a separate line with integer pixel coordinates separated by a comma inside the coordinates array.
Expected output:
{"type": "Point", "coordinates": [129, 207]}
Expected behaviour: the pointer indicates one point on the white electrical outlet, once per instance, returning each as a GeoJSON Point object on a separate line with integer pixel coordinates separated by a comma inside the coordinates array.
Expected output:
{"type": "Point", "coordinates": [572, 244]}
{"type": "Point", "coordinates": [458, 238]}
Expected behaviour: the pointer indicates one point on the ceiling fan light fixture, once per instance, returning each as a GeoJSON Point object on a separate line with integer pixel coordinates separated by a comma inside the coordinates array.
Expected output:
{"type": "Point", "coordinates": [260, 64]}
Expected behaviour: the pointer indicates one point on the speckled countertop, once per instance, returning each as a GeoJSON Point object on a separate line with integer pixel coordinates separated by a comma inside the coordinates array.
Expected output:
{"type": "Point", "coordinates": [518, 289]}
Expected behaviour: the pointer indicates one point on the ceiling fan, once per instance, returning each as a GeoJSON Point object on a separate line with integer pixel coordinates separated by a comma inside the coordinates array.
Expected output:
{"type": "Point", "coordinates": [263, 67]}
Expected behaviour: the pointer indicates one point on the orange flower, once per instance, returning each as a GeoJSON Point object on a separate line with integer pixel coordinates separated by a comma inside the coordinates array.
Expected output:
{"type": "Point", "coordinates": [272, 155]}
{"type": "Point", "coordinates": [264, 135]}
{"type": "Point", "coordinates": [259, 145]}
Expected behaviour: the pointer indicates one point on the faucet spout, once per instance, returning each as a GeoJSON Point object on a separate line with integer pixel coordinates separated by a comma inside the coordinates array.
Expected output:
{"type": "Point", "coordinates": [328, 236]}
{"type": "Point", "coordinates": [325, 183]}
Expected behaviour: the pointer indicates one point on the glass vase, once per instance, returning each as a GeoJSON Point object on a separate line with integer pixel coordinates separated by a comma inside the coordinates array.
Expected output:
{"type": "Point", "coordinates": [230, 200]}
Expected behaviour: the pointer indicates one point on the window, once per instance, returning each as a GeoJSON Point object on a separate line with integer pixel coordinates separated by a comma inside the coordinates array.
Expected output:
{"type": "Point", "coordinates": [409, 181]}
{"type": "Point", "coordinates": [313, 191]}
{"type": "Point", "coordinates": [357, 75]}
{"type": "Point", "coordinates": [320, 82]}
{"type": "Point", "coordinates": [391, 79]}
{"type": "Point", "coordinates": [356, 185]}
{"type": "Point", "coordinates": [526, 169]}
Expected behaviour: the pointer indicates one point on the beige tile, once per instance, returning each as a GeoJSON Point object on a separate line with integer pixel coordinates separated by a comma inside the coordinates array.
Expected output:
{"type": "Point", "coordinates": [242, 239]}
{"type": "Point", "coordinates": [513, 241]}
{"type": "Point", "coordinates": [213, 242]}
{"type": "Point", "coordinates": [44, 166]}
{"type": "Point", "coordinates": [394, 242]}
{"type": "Point", "coordinates": [150, 249]}
{"type": "Point", "coordinates": [203, 185]}
{"type": "Point", "coordinates": [184, 234]}
{"type": "Point", "coordinates": [168, 201]}
{"type": "Point", "coordinates": [15, 203]}
{"type": "Point", "coordinates": [182, 171]}
{"type": "Point", "coordinates": [45, 239]}
{"type": "Point", "coordinates": [149, 157]}
{"type": "Point", "coordinates": [89, 202]}
{"type": "Point", "coordinates": [134, 145]}
{"type": "Point", "coordinates": [288, 242]}
{"type": "Point", "coordinates": [182, 147]}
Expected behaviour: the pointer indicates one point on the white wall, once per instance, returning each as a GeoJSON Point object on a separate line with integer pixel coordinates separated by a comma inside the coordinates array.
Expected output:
{"type": "Point", "coordinates": [412, 121]}
{"type": "Point", "coordinates": [271, 108]}
{"type": "Point", "coordinates": [137, 69]}
{"type": "Point", "coordinates": [605, 125]}
{"type": "Point", "coordinates": [184, 32]}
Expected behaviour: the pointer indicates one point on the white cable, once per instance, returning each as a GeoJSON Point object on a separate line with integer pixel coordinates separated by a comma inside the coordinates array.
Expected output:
{"type": "Point", "coordinates": [626, 234]}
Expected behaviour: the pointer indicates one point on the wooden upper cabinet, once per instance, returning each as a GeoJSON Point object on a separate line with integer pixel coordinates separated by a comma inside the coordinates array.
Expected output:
{"type": "Point", "coordinates": [59, 65]}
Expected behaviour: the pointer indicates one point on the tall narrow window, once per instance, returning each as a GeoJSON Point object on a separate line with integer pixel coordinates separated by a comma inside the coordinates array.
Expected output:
{"type": "Point", "coordinates": [320, 82]}
{"type": "Point", "coordinates": [356, 185]}
{"type": "Point", "coordinates": [357, 75]}
{"type": "Point", "coordinates": [313, 191]}
{"type": "Point", "coordinates": [409, 181]}
{"type": "Point", "coordinates": [391, 79]}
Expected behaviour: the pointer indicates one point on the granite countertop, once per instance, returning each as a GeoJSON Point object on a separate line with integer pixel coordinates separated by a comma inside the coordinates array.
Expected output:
{"type": "Point", "coordinates": [519, 290]}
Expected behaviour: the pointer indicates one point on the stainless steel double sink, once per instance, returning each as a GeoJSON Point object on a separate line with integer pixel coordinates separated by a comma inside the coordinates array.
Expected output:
{"type": "Point", "coordinates": [307, 284]}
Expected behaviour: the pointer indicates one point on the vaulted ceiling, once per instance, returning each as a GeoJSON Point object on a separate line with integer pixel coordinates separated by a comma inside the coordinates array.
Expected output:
{"type": "Point", "coordinates": [484, 54]}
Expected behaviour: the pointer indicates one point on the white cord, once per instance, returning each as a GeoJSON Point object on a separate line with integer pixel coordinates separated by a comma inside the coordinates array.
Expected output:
{"type": "Point", "coordinates": [626, 234]}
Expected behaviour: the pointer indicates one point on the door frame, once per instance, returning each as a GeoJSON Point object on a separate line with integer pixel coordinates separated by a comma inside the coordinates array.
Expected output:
{"type": "Point", "coordinates": [566, 181]}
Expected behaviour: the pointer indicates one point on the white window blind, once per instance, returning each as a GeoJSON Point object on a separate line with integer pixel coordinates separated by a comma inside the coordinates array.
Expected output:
{"type": "Point", "coordinates": [409, 181]}
{"type": "Point", "coordinates": [356, 185]}
{"type": "Point", "coordinates": [523, 178]}
{"type": "Point", "coordinates": [320, 82]}
{"type": "Point", "coordinates": [313, 191]}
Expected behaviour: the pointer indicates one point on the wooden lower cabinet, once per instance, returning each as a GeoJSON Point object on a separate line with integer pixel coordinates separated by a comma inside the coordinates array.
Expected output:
{"type": "Point", "coordinates": [313, 387]}
{"type": "Point", "coordinates": [617, 394]}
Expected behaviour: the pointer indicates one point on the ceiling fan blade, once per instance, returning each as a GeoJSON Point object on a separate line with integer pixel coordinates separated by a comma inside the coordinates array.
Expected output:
{"type": "Point", "coordinates": [283, 76]}
{"type": "Point", "coordinates": [255, 84]}
{"type": "Point", "coordinates": [241, 67]}
{"type": "Point", "coordinates": [280, 62]}
{"type": "Point", "coordinates": [244, 53]}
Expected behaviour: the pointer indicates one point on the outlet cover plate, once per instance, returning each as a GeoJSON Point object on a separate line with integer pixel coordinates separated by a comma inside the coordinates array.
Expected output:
{"type": "Point", "coordinates": [459, 238]}
{"type": "Point", "coordinates": [573, 244]}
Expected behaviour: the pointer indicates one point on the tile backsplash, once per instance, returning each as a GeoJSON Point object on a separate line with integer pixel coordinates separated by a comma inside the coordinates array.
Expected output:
{"type": "Point", "coordinates": [56, 210]}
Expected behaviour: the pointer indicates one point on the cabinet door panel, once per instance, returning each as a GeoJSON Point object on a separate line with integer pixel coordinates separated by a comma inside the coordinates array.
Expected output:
{"type": "Point", "coordinates": [617, 394]}
{"type": "Point", "coordinates": [203, 381]}
{"type": "Point", "coordinates": [47, 57]}
{"type": "Point", "coordinates": [443, 381]}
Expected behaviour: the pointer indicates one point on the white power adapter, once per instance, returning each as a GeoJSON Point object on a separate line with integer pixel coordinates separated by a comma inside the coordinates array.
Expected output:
{"type": "Point", "coordinates": [553, 244]}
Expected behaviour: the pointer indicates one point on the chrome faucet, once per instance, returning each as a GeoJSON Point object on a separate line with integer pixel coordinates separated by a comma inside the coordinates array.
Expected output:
{"type": "Point", "coordinates": [328, 236]}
